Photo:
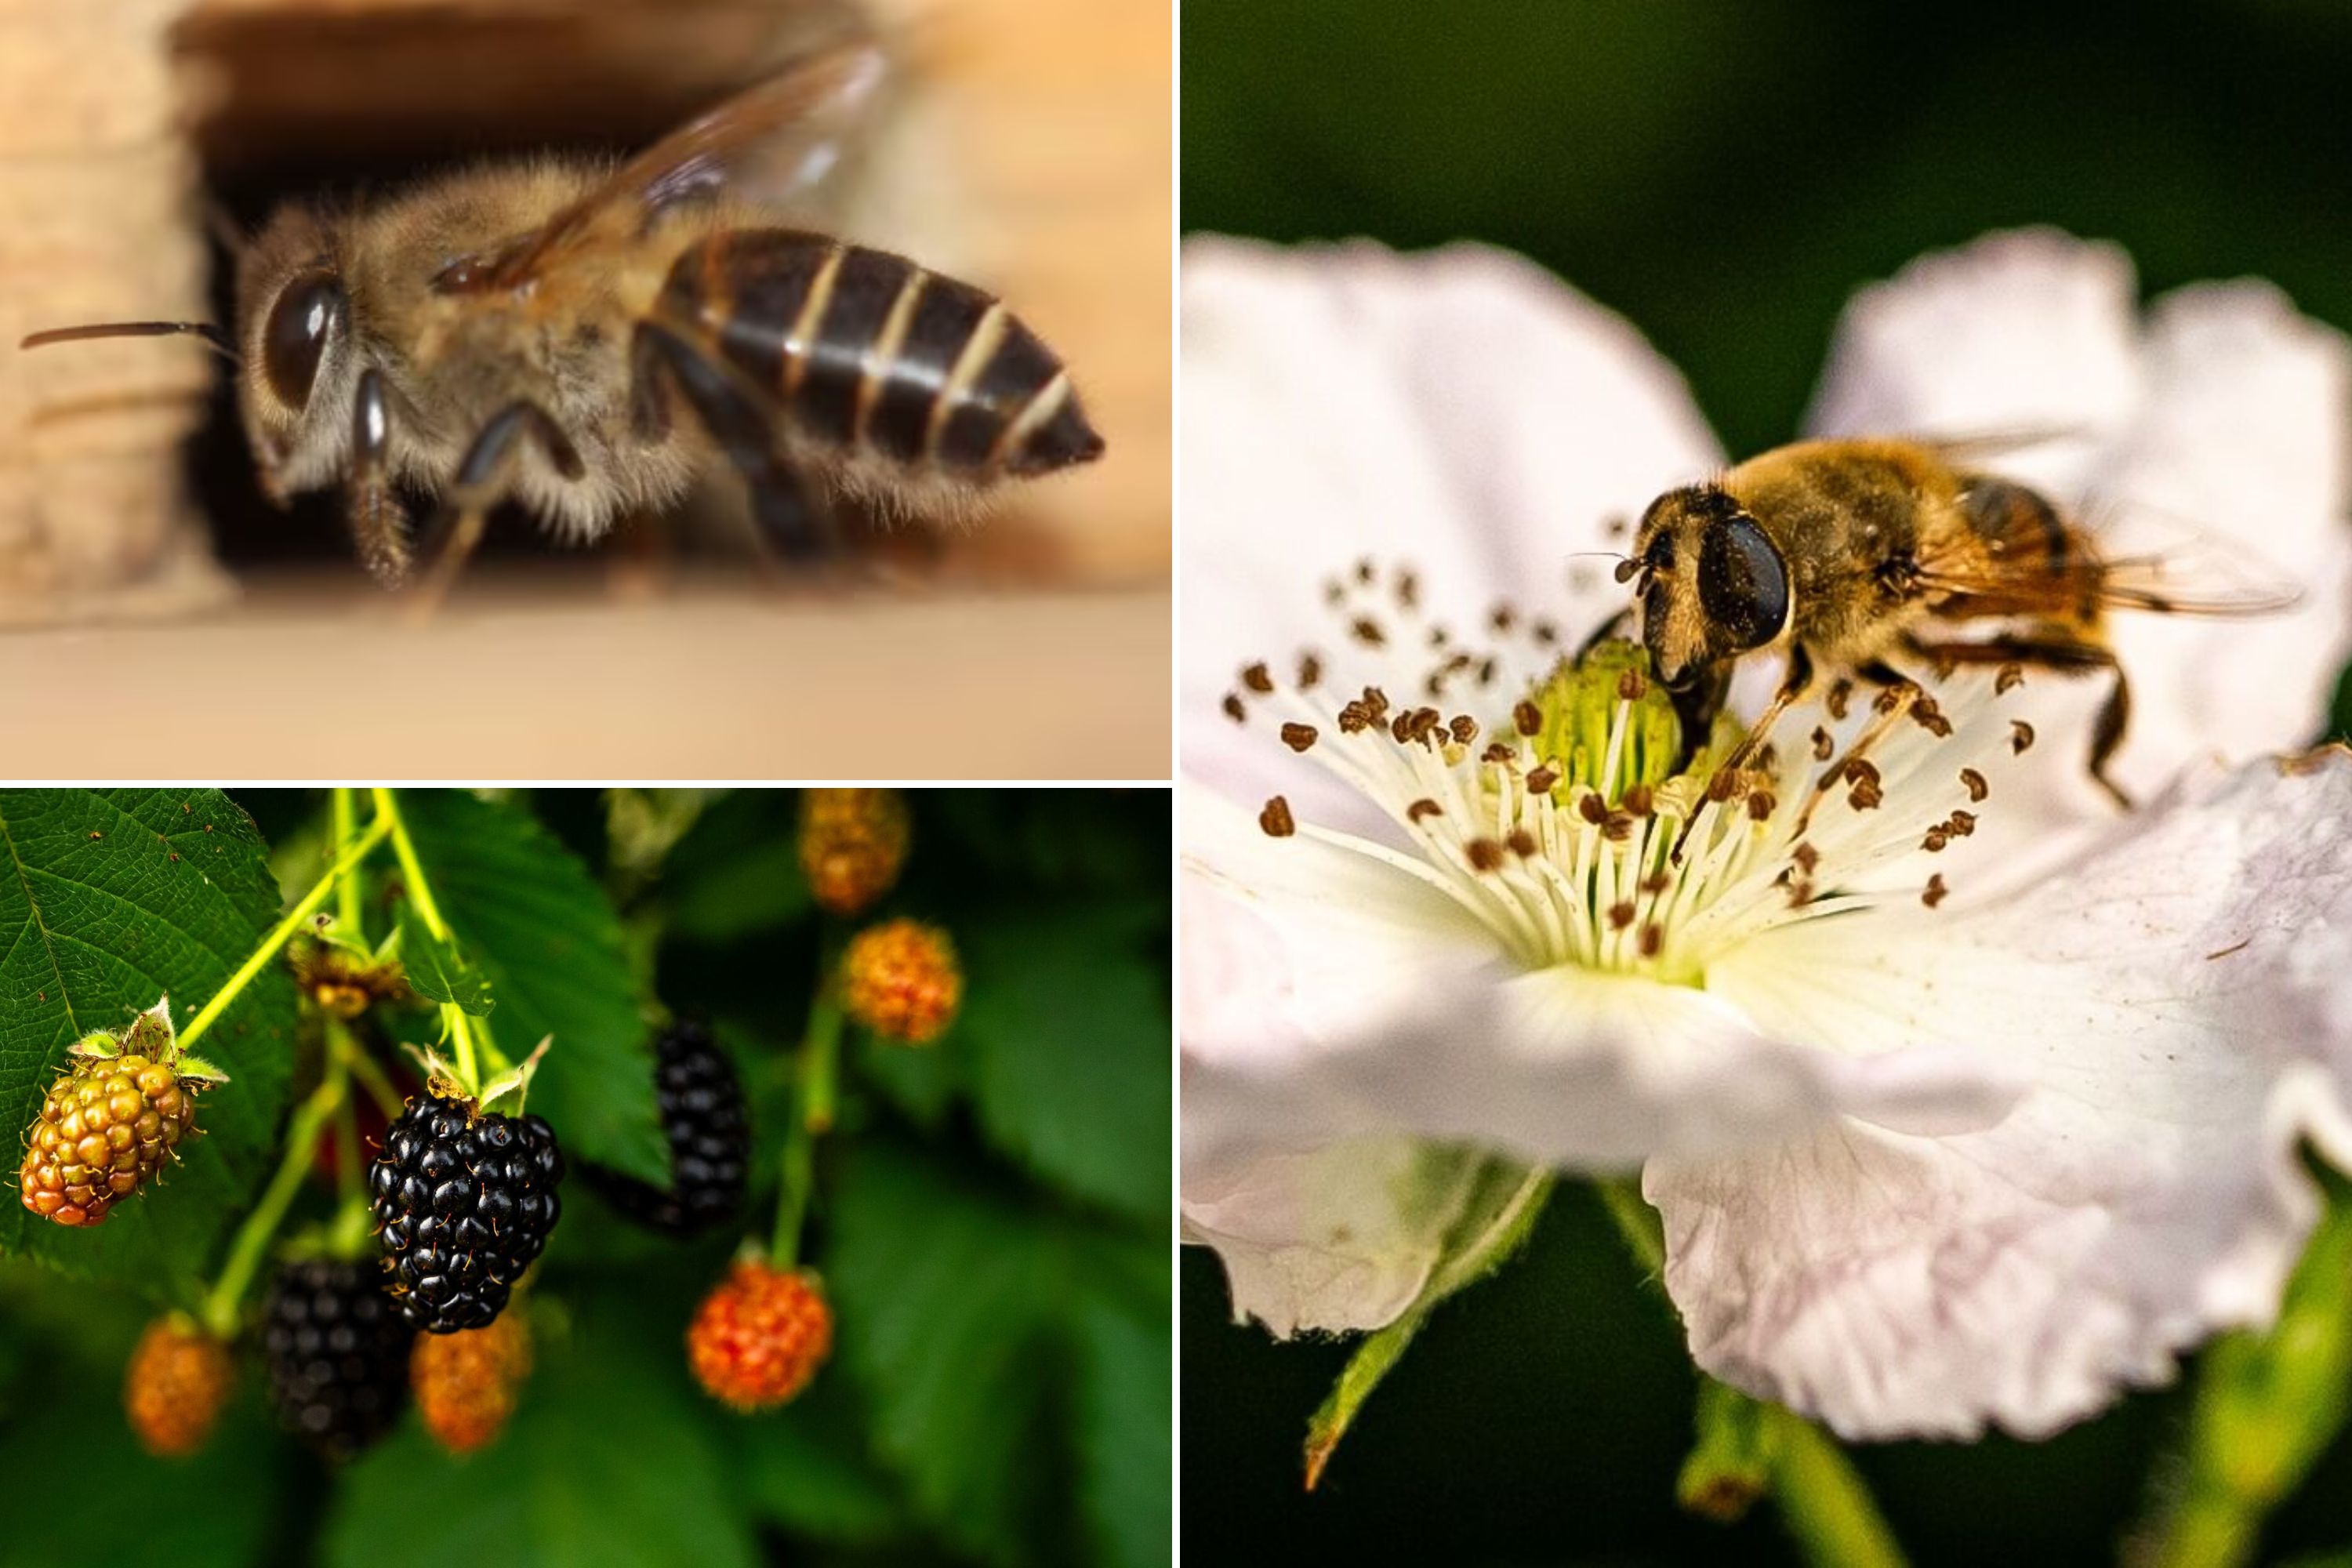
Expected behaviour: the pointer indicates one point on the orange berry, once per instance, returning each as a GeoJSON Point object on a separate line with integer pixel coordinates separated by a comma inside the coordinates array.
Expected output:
{"type": "Point", "coordinates": [467, 1383]}
{"type": "Point", "coordinates": [106, 1126]}
{"type": "Point", "coordinates": [900, 979]}
{"type": "Point", "coordinates": [178, 1379]}
{"type": "Point", "coordinates": [759, 1336]}
{"type": "Point", "coordinates": [853, 842]}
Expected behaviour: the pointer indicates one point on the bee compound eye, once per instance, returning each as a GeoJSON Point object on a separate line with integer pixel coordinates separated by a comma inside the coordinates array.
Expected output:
{"type": "Point", "coordinates": [1743, 582]}
{"type": "Point", "coordinates": [294, 338]}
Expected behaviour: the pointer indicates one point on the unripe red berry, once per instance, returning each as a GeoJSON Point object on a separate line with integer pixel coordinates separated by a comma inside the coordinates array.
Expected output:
{"type": "Point", "coordinates": [759, 1336]}
{"type": "Point", "coordinates": [900, 979]}
{"type": "Point", "coordinates": [852, 843]}
{"type": "Point", "coordinates": [173, 1390]}
{"type": "Point", "coordinates": [467, 1383]}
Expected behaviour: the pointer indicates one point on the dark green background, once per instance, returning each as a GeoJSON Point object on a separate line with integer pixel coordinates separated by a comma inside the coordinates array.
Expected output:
{"type": "Point", "coordinates": [1725, 176]}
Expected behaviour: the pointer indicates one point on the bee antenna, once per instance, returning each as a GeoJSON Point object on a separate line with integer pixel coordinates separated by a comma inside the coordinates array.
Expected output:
{"type": "Point", "coordinates": [213, 337]}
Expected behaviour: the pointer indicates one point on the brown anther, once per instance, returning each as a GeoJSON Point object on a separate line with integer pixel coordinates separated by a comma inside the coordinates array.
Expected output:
{"type": "Point", "coordinates": [1935, 892]}
{"type": "Point", "coordinates": [1366, 630]}
{"type": "Point", "coordinates": [1257, 679]}
{"type": "Point", "coordinates": [1935, 840]}
{"type": "Point", "coordinates": [1523, 844]}
{"type": "Point", "coordinates": [1501, 617]}
{"type": "Point", "coordinates": [1485, 672]}
{"type": "Point", "coordinates": [1801, 893]}
{"type": "Point", "coordinates": [1640, 799]}
{"type": "Point", "coordinates": [1889, 699]}
{"type": "Point", "coordinates": [1840, 694]}
{"type": "Point", "coordinates": [1652, 938]}
{"type": "Point", "coordinates": [1858, 769]}
{"type": "Point", "coordinates": [1299, 737]}
{"type": "Point", "coordinates": [1335, 592]}
{"type": "Point", "coordinates": [1437, 636]}
{"type": "Point", "coordinates": [2011, 675]}
{"type": "Point", "coordinates": [1656, 882]}
{"type": "Point", "coordinates": [1527, 718]}
{"type": "Point", "coordinates": [1354, 718]}
{"type": "Point", "coordinates": [1961, 824]}
{"type": "Point", "coordinates": [1464, 728]}
{"type": "Point", "coordinates": [1767, 759]}
{"type": "Point", "coordinates": [1376, 704]}
{"type": "Point", "coordinates": [1276, 820]}
{"type": "Point", "coordinates": [1541, 780]}
{"type": "Point", "coordinates": [2020, 735]}
{"type": "Point", "coordinates": [1618, 829]}
{"type": "Point", "coordinates": [1498, 752]}
{"type": "Point", "coordinates": [1974, 783]}
{"type": "Point", "coordinates": [1365, 571]}
{"type": "Point", "coordinates": [1823, 744]}
{"type": "Point", "coordinates": [1761, 806]}
{"type": "Point", "coordinates": [1408, 590]}
{"type": "Point", "coordinates": [1631, 686]}
{"type": "Point", "coordinates": [1311, 670]}
{"type": "Point", "coordinates": [1589, 808]}
{"type": "Point", "coordinates": [1546, 633]}
{"type": "Point", "coordinates": [1485, 854]}
{"type": "Point", "coordinates": [1423, 808]}
{"type": "Point", "coordinates": [1234, 709]}
{"type": "Point", "coordinates": [1863, 797]}
{"type": "Point", "coordinates": [1723, 785]}
{"type": "Point", "coordinates": [1619, 916]}
{"type": "Point", "coordinates": [1934, 723]}
{"type": "Point", "coordinates": [1807, 857]}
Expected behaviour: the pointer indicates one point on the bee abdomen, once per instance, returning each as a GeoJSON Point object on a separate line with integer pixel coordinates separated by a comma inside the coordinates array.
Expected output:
{"type": "Point", "coordinates": [865, 351]}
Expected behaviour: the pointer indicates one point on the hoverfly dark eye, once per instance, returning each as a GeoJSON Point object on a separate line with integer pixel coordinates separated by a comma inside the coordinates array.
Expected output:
{"type": "Point", "coordinates": [295, 336]}
{"type": "Point", "coordinates": [1743, 584]}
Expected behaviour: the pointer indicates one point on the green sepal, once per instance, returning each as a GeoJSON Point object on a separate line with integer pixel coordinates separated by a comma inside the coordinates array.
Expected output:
{"type": "Point", "coordinates": [515, 1080]}
{"type": "Point", "coordinates": [200, 1069]}
{"type": "Point", "coordinates": [437, 972]}
{"type": "Point", "coordinates": [151, 1034]}
{"type": "Point", "coordinates": [1731, 1466]}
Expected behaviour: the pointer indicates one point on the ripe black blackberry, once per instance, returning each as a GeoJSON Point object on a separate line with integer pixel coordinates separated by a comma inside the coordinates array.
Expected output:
{"type": "Point", "coordinates": [709, 1140]}
{"type": "Point", "coordinates": [338, 1354]}
{"type": "Point", "coordinates": [464, 1201]}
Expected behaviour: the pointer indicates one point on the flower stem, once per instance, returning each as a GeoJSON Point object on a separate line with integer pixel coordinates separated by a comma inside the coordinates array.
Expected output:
{"type": "Point", "coordinates": [2268, 1404]}
{"type": "Point", "coordinates": [253, 1237]}
{"type": "Point", "coordinates": [350, 904]}
{"type": "Point", "coordinates": [819, 1074]}
{"type": "Point", "coordinates": [353, 854]}
{"type": "Point", "coordinates": [1822, 1498]}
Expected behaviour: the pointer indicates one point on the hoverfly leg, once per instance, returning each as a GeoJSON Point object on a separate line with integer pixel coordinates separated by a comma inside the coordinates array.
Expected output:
{"type": "Point", "coordinates": [1898, 696]}
{"type": "Point", "coordinates": [795, 528]}
{"type": "Point", "coordinates": [2064, 655]}
{"type": "Point", "coordinates": [482, 483]}
{"type": "Point", "coordinates": [1698, 720]}
{"type": "Point", "coordinates": [371, 508]}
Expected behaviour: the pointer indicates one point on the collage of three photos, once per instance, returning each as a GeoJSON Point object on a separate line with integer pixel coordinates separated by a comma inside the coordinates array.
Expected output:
{"type": "Point", "coordinates": [1017, 781]}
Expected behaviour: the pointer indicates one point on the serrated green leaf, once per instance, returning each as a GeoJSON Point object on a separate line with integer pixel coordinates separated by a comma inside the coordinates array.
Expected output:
{"type": "Point", "coordinates": [608, 1460]}
{"type": "Point", "coordinates": [108, 899]}
{"type": "Point", "coordinates": [437, 971]}
{"type": "Point", "coordinates": [922, 1081]}
{"type": "Point", "coordinates": [963, 1308]}
{"type": "Point", "coordinates": [1066, 1026]}
{"type": "Point", "coordinates": [527, 914]}
{"type": "Point", "coordinates": [1125, 1424]}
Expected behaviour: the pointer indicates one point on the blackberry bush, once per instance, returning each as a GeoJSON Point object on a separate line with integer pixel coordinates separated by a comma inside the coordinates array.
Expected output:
{"type": "Point", "coordinates": [464, 1201]}
{"type": "Point", "coordinates": [702, 1116]}
{"type": "Point", "coordinates": [337, 1354]}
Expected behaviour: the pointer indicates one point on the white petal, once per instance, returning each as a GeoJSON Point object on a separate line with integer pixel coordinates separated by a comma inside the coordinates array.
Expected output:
{"type": "Point", "coordinates": [1332, 1238]}
{"type": "Point", "coordinates": [2022, 332]}
{"type": "Point", "coordinates": [1327, 1001]}
{"type": "Point", "coordinates": [2239, 455]}
{"type": "Point", "coordinates": [1462, 412]}
{"type": "Point", "coordinates": [2178, 1002]}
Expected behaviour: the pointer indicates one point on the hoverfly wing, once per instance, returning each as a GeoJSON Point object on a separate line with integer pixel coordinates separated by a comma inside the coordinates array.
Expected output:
{"type": "Point", "coordinates": [789, 136]}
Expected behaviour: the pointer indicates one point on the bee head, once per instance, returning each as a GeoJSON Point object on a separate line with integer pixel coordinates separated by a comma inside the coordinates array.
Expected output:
{"type": "Point", "coordinates": [294, 327]}
{"type": "Point", "coordinates": [1712, 583]}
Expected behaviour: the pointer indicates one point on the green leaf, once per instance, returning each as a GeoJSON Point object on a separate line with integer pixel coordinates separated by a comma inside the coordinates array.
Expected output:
{"type": "Point", "coordinates": [437, 972]}
{"type": "Point", "coordinates": [736, 872]}
{"type": "Point", "coordinates": [606, 1461]}
{"type": "Point", "coordinates": [545, 939]}
{"type": "Point", "coordinates": [807, 1467]}
{"type": "Point", "coordinates": [110, 899]}
{"type": "Point", "coordinates": [964, 1309]}
{"type": "Point", "coordinates": [1066, 1024]}
{"type": "Point", "coordinates": [920, 1081]}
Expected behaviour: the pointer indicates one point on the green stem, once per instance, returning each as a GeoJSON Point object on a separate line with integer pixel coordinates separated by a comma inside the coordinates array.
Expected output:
{"type": "Point", "coordinates": [351, 902]}
{"type": "Point", "coordinates": [460, 1028]}
{"type": "Point", "coordinates": [347, 1127]}
{"type": "Point", "coordinates": [820, 1062]}
{"type": "Point", "coordinates": [792, 1201]}
{"type": "Point", "coordinates": [362, 1067]}
{"type": "Point", "coordinates": [820, 1076]}
{"type": "Point", "coordinates": [1822, 1498]}
{"type": "Point", "coordinates": [253, 1237]}
{"type": "Point", "coordinates": [354, 853]}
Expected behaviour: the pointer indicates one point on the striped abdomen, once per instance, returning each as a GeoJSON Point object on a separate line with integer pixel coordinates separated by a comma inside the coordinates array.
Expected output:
{"type": "Point", "coordinates": [2030, 544]}
{"type": "Point", "coordinates": [866, 351]}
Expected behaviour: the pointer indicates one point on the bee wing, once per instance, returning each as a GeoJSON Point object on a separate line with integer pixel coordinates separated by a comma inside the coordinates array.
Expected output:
{"type": "Point", "coordinates": [1964, 449]}
{"type": "Point", "coordinates": [792, 133]}
{"type": "Point", "coordinates": [2192, 577]}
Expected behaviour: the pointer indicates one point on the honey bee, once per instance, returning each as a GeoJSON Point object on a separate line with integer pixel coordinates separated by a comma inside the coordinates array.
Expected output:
{"type": "Point", "coordinates": [537, 331]}
{"type": "Point", "coordinates": [1859, 558]}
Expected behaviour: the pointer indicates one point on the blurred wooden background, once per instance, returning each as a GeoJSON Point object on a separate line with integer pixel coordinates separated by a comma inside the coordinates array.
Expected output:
{"type": "Point", "coordinates": [1030, 152]}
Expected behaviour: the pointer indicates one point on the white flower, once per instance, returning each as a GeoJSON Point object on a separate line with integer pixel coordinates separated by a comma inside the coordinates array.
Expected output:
{"type": "Point", "coordinates": [1963, 1099]}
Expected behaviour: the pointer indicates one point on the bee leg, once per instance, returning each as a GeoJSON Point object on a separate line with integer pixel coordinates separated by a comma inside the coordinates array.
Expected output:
{"type": "Point", "coordinates": [1899, 697]}
{"type": "Point", "coordinates": [371, 508]}
{"type": "Point", "coordinates": [797, 530]}
{"type": "Point", "coordinates": [480, 485]}
{"type": "Point", "coordinates": [2065, 656]}
{"type": "Point", "coordinates": [1700, 718]}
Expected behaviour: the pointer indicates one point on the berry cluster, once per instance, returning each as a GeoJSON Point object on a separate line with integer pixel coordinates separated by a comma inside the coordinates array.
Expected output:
{"type": "Point", "coordinates": [758, 1339]}
{"type": "Point", "coordinates": [338, 1354]}
{"type": "Point", "coordinates": [710, 1141]}
{"type": "Point", "coordinates": [464, 1201]}
{"type": "Point", "coordinates": [106, 1127]}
